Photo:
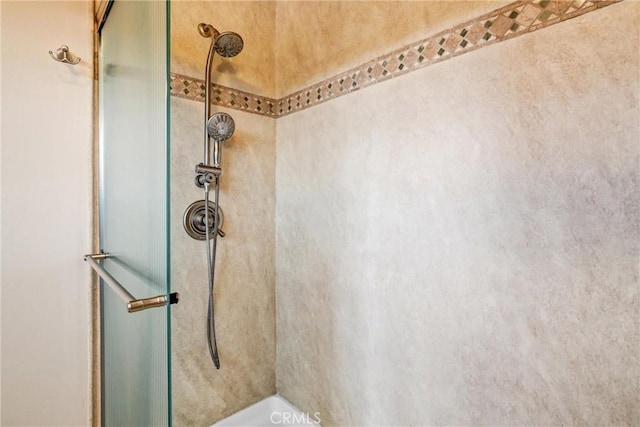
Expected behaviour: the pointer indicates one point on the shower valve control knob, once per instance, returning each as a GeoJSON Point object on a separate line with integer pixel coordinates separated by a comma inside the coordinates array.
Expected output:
{"type": "Point", "coordinates": [199, 222]}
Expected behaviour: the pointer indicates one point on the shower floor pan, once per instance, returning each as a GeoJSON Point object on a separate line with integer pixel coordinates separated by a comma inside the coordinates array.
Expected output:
{"type": "Point", "coordinates": [272, 411]}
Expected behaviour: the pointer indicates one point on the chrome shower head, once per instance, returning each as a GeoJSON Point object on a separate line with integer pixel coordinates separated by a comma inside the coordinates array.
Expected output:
{"type": "Point", "coordinates": [220, 127]}
{"type": "Point", "coordinates": [229, 44]}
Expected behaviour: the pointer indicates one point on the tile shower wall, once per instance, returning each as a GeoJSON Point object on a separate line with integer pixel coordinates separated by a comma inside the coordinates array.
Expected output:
{"type": "Point", "coordinates": [335, 384]}
{"type": "Point", "coordinates": [245, 275]}
{"type": "Point", "coordinates": [460, 245]}
{"type": "Point", "coordinates": [315, 39]}
{"type": "Point", "coordinates": [513, 20]}
{"type": "Point", "coordinates": [294, 54]}
{"type": "Point", "coordinates": [253, 70]}
{"type": "Point", "coordinates": [245, 288]}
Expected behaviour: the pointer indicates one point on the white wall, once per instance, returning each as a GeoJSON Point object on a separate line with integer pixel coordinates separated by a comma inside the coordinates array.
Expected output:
{"type": "Point", "coordinates": [46, 214]}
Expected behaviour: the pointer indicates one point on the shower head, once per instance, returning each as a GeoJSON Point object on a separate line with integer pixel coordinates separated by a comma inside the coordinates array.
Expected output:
{"type": "Point", "coordinates": [220, 127]}
{"type": "Point", "coordinates": [228, 44]}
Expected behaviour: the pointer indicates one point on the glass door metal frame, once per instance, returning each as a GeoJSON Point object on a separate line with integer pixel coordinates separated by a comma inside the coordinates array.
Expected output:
{"type": "Point", "coordinates": [102, 8]}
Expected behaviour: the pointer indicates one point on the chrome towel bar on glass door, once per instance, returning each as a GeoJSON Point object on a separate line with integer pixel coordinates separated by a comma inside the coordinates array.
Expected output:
{"type": "Point", "coordinates": [133, 304]}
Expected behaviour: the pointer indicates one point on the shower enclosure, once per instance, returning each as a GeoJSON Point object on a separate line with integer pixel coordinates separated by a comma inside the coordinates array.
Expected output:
{"type": "Point", "coordinates": [143, 351]}
{"type": "Point", "coordinates": [134, 220]}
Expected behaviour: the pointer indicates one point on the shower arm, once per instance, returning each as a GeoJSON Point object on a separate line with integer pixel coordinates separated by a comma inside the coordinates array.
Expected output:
{"type": "Point", "coordinates": [209, 31]}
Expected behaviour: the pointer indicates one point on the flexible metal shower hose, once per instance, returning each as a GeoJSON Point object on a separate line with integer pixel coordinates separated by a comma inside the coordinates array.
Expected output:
{"type": "Point", "coordinates": [211, 264]}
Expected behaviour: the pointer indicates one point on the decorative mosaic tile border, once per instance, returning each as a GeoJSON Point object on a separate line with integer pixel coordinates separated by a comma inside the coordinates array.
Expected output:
{"type": "Point", "coordinates": [513, 20]}
{"type": "Point", "coordinates": [193, 89]}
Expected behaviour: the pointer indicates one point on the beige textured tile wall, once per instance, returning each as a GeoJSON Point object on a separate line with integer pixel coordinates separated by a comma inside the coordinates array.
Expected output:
{"type": "Point", "coordinates": [290, 44]}
{"type": "Point", "coordinates": [245, 288]}
{"type": "Point", "coordinates": [253, 70]}
{"type": "Point", "coordinates": [245, 275]}
{"type": "Point", "coordinates": [317, 39]}
{"type": "Point", "coordinates": [460, 245]}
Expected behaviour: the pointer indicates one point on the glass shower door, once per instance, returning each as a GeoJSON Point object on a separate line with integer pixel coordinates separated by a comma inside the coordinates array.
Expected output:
{"type": "Point", "coordinates": [134, 212]}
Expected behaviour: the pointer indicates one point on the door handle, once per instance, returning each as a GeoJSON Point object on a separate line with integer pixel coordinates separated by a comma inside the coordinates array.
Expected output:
{"type": "Point", "coordinates": [133, 304]}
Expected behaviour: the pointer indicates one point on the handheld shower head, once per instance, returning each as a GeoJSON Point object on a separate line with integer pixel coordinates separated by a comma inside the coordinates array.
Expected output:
{"type": "Point", "coordinates": [220, 127]}
{"type": "Point", "coordinates": [229, 44]}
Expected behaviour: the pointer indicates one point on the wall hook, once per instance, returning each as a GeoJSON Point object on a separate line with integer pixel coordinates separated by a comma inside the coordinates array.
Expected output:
{"type": "Point", "coordinates": [62, 54]}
